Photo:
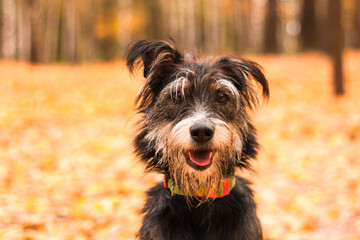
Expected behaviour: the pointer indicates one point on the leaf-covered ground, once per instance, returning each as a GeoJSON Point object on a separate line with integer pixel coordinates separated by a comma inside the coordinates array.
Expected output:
{"type": "Point", "coordinates": [67, 170]}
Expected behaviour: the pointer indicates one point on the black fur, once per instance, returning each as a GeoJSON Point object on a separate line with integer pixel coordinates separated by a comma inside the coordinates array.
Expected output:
{"type": "Point", "coordinates": [230, 217]}
{"type": "Point", "coordinates": [172, 216]}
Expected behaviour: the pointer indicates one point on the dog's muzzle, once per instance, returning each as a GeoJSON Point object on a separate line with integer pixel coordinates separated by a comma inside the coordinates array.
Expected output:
{"type": "Point", "coordinates": [201, 134]}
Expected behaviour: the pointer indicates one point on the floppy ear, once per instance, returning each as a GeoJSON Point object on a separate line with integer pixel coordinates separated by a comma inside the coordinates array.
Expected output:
{"type": "Point", "coordinates": [160, 61]}
{"type": "Point", "coordinates": [241, 72]}
{"type": "Point", "coordinates": [150, 53]}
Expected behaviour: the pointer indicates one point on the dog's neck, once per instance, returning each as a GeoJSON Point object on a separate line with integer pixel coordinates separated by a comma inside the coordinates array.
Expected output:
{"type": "Point", "coordinates": [223, 189]}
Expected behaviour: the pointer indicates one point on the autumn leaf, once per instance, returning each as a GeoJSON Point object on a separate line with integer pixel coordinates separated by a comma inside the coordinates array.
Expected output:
{"type": "Point", "coordinates": [67, 169]}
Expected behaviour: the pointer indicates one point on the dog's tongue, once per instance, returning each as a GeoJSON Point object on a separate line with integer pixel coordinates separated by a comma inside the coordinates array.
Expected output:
{"type": "Point", "coordinates": [200, 158]}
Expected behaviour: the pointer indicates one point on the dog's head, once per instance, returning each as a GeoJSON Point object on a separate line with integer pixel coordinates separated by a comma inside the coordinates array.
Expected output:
{"type": "Point", "coordinates": [195, 125]}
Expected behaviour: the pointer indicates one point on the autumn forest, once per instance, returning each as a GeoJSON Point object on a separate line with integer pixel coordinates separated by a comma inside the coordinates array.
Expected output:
{"type": "Point", "coordinates": [67, 113]}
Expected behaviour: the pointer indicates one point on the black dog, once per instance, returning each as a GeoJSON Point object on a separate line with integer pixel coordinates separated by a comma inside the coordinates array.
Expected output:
{"type": "Point", "coordinates": [195, 129]}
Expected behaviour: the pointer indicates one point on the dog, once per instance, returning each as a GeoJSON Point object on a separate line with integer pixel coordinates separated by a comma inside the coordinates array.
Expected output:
{"type": "Point", "coordinates": [195, 129]}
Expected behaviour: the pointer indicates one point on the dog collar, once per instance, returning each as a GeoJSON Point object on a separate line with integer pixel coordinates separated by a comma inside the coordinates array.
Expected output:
{"type": "Point", "coordinates": [223, 189]}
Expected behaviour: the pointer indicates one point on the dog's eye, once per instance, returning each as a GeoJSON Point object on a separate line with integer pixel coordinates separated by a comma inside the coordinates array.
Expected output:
{"type": "Point", "coordinates": [222, 98]}
{"type": "Point", "coordinates": [177, 97]}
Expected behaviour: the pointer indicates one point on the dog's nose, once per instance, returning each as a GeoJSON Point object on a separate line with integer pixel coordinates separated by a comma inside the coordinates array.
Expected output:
{"type": "Point", "coordinates": [201, 133]}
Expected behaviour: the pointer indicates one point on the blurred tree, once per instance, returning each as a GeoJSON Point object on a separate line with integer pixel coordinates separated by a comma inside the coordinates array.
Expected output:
{"type": "Point", "coordinates": [211, 25]}
{"type": "Point", "coordinates": [191, 8]}
{"type": "Point", "coordinates": [356, 38]}
{"type": "Point", "coordinates": [336, 43]}
{"type": "Point", "coordinates": [187, 23]}
{"type": "Point", "coordinates": [68, 31]}
{"type": "Point", "coordinates": [37, 22]}
{"type": "Point", "coordinates": [9, 29]}
{"type": "Point", "coordinates": [241, 21]}
{"type": "Point", "coordinates": [23, 31]}
{"type": "Point", "coordinates": [85, 30]}
{"type": "Point", "coordinates": [270, 31]}
{"type": "Point", "coordinates": [51, 30]}
{"type": "Point", "coordinates": [1, 28]}
{"type": "Point", "coordinates": [81, 30]}
{"type": "Point", "coordinates": [125, 20]}
{"type": "Point", "coordinates": [154, 19]}
{"type": "Point", "coordinates": [322, 25]}
{"type": "Point", "coordinates": [173, 17]}
{"type": "Point", "coordinates": [107, 29]}
{"type": "Point", "coordinates": [308, 25]}
{"type": "Point", "coordinates": [182, 20]}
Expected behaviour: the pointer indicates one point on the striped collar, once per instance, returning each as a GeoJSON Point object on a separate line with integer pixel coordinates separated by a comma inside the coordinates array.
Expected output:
{"type": "Point", "coordinates": [223, 189]}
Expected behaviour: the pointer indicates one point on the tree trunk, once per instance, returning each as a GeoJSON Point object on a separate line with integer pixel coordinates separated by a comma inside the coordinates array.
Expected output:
{"type": "Point", "coordinates": [322, 25]}
{"type": "Point", "coordinates": [241, 21]}
{"type": "Point", "coordinates": [23, 31]}
{"type": "Point", "coordinates": [1, 28]}
{"type": "Point", "coordinates": [173, 21]}
{"type": "Point", "coordinates": [356, 35]}
{"type": "Point", "coordinates": [221, 15]}
{"type": "Point", "coordinates": [270, 35]}
{"type": "Point", "coordinates": [51, 30]}
{"type": "Point", "coordinates": [154, 20]}
{"type": "Point", "coordinates": [308, 25]}
{"type": "Point", "coordinates": [191, 25]}
{"type": "Point", "coordinates": [9, 29]}
{"type": "Point", "coordinates": [181, 4]}
{"type": "Point", "coordinates": [125, 17]}
{"type": "Point", "coordinates": [68, 41]}
{"type": "Point", "coordinates": [336, 44]}
{"type": "Point", "coordinates": [211, 26]}
{"type": "Point", "coordinates": [37, 23]}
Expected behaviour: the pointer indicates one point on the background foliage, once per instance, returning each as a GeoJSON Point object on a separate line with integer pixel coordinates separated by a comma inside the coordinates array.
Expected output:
{"type": "Point", "coordinates": [67, 170]}
{"type": "Point", "coordinates": [88, 30]}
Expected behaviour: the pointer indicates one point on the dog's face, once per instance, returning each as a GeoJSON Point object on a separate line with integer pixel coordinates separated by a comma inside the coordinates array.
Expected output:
{"type": "Point", "coordinates": [195, 127]}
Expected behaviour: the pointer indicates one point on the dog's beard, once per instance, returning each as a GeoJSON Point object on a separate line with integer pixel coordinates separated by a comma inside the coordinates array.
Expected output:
{"type": "Point", "coordinates": [197, 184]}
{"type": "Point", "coordinates": [174, 144]}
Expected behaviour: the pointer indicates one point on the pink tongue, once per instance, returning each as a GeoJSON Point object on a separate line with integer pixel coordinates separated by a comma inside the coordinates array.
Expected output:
{"type": "Point", "coordinates": [201, 158]}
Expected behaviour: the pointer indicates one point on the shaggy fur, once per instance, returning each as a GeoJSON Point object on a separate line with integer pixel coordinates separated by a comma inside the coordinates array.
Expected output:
{"type": "Point", "coordinates": [196, 108]}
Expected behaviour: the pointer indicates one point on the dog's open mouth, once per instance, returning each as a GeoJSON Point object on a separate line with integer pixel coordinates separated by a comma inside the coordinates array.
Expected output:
{"type": "Point", "coordinates": [200, 159]}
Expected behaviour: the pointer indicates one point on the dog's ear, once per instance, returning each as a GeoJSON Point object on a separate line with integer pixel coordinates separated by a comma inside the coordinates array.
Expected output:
{"type": "Point", "coordinates": [160, 60]}
{"type": "Point", "coordinates": [151, 53]}
{"type": "Point", "coordinates": [241, 72]}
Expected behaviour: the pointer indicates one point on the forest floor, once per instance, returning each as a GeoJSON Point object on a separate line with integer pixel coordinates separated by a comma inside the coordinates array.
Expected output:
{"type": "Point", "coordinates": [67, 170]}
